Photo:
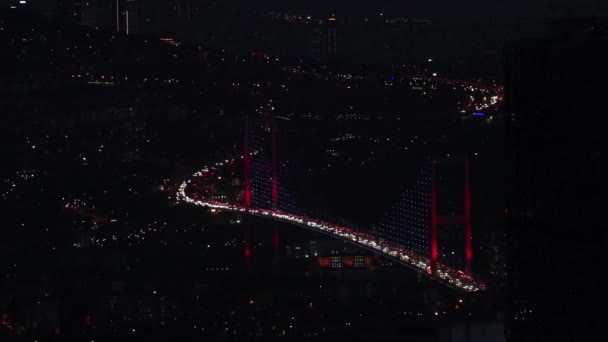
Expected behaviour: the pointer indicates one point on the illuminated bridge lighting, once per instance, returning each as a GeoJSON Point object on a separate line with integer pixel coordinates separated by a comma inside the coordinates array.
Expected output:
{"type": "Point", "coordinates": [397, 252]}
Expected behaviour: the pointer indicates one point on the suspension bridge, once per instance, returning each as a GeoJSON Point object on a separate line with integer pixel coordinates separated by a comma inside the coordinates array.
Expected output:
{"type": "Point", "coordinates": [407, 234]}
{"type": "Point", "coordinates": [393, 239]}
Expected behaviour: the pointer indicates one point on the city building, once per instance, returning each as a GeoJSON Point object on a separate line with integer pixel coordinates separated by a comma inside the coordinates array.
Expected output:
{"type": "Point", "coordinates": [117, 15]}
{"type": "Point", "coordinates": [316, 43]}
{"type": "Point", "coordinates": [184, 11]}
{"type": "Point", "coordinates": [323, 39]}
{"type": "Point", "coordinates": [132, 17]}
{"type": "Point", "coordinates": [346, 261]}
{"type": "Point", "coordinates": [331, 45]}
{"type": "Point", "coordinates": [554, 90]}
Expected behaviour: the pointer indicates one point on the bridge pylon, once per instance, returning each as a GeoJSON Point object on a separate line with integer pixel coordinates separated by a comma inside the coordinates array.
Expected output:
{"type": "Point", "coordinates": [246, 165]}
{"type": "Point", "coordinates": [464, 219]}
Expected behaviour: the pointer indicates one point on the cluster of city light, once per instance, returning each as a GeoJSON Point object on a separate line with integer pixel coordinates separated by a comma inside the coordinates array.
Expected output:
{"type": "Point", "coordinates": [347, 136]}
{"type": "Point", "coordinates": [493, 100]}
{"type": "Point", "coordinates": [419, 82]}
{"type": "Point", "coordinates": [289, 17]}
{"type": "Point", "coordinates": [10, 184]}
{"type": "Point", "coordinates": [9, 189]}
{"type": "Point", "coordinates": [153, 231]}
{"type": "Point", "coordinates": [26, 174]}
{"type": "Point", "coordinates": [75, 204]}
{"type": "Point", "coordinates": [109, 80]}
{"type": "Point", "coordinates": [315, 116]}
{"type": "Point", "coordinates": [455, 278]}
{"type": "Point", "coordinates": [355, 117]}
{"type": "Point", "coordinates": [326, 75]}
{"type": "Point", "coordinates": [488, 102]}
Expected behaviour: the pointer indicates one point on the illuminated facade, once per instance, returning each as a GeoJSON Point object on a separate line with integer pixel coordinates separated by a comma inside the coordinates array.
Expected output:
{"type": "Point", "coordinates": [331, 44]}
{"type": "Point", "coordinates": [323, 39]}
{"type": "Point", "coordinates": [346, 261]}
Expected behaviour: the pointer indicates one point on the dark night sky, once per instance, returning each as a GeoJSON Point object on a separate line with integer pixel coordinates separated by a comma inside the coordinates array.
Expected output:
{"type": "Point", "coordinates": [483, 10]}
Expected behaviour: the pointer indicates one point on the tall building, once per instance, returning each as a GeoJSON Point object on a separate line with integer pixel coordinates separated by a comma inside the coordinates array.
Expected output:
{"type": "Point", "coordinates": [323, 44]}
{"type": "Point", "coordinates": [554, 97]}
{"type": "Point", "coordinates": [331, 45]}
{"type": "Point", "coordinates": [132, 17]}
{"type": "Point", "coordinates": [316, 43]}
{"type": "Point", "coordinates": [184, 11]}
{"type": "Point", "coordinates": [120, 15]}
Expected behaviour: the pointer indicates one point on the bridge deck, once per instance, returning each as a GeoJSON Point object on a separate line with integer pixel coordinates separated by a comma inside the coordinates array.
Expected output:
{"type": "Point", "coordinates": [456, 279]}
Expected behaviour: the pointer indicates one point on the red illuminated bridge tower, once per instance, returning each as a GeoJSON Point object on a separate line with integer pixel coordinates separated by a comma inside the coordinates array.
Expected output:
{"type": "Point", "coordinates": [463, 219]}
{"type": "Point", "coordinates": [275, 190]}
{"type": "Point", "coordinates": [266, 112]}
{"type": "Point", "coordinates": [247, 187]}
